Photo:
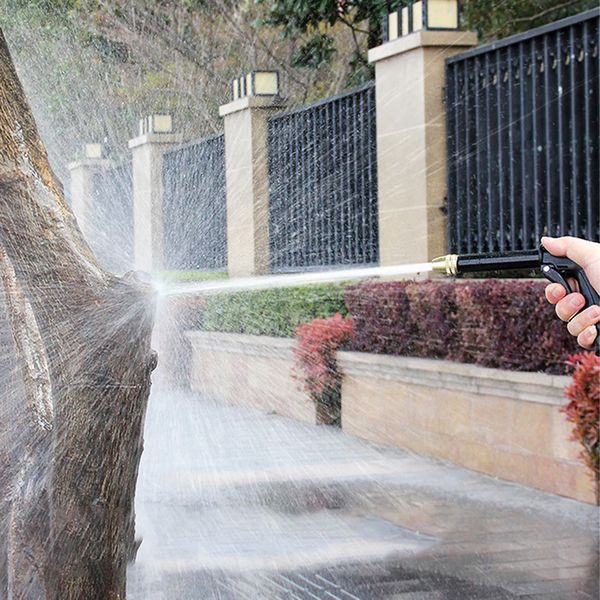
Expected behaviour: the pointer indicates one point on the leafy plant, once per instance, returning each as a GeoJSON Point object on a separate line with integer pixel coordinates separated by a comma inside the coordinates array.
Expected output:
{"type": "Point", "coordinates": [188, 276]}
{"type": "Point", "coordinates": [274, 312]}
{"type": "Point", "coordinates": [583, 409]}
{"type": "Point", "coordinates": [503, 324]}
{"type": "Point", "coordinates": [318, 50]}
{"type": "Point", "coordinates": [312, 23]}
{"type": "Point", "coordinates": [316, 365]}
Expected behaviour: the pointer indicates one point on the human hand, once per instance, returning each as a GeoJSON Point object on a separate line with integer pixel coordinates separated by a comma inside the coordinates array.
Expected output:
{"type": "Point", "coordinates": [587, 256]}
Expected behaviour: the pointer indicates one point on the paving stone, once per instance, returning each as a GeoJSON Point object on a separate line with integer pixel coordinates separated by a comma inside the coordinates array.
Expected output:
{"type": "Point", "coordinates": [235, 504]}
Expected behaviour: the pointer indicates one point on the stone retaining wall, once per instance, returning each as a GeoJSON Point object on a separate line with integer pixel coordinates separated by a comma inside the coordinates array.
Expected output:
{"type": "Point", "coordinates": [248, 369]}
{"type": "Point", "coordinates": [502, 423]}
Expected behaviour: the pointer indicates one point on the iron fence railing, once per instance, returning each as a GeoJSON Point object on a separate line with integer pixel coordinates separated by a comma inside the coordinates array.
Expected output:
{"type": "Point", "coordinates": [522, 120]}
{"type": "Point", "coordinates": [194, 206]}
{"type": "Point", "coordinates": [112, 214]}
{"type": "Point", "coordinates": [323, 183]}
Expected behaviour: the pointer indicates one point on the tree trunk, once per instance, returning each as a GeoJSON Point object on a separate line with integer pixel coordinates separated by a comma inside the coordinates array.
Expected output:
{"type": "Point", "coordinates": [82, 341]}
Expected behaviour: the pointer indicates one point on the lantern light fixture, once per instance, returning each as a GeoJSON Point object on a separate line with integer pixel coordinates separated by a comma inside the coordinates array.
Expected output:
{"type": "Point", "coordinates": [235, 89]}
{"type": "Point", "coordinates": [256, 83]}
{"type": "Point", "coordinates": [431, 15]}
{"type": "Point", "coordinates": [156, 123]}
{"type": "Point", "coordinates": [92, 150]}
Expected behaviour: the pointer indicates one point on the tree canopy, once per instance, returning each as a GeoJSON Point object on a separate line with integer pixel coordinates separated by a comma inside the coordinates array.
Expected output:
{"type": "Point", "coordinates": [314, 19]}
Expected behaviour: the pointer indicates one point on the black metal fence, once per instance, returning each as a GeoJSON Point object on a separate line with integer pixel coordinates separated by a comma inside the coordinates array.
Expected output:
{"type": "Point", "coordinates": [522, 118]}
{"type": "Point", "coordinates": [112, 214]}
{"type": "Point", "coordinates": [323, 183]}
{"type": "Point", "coordinates": [194, 208]}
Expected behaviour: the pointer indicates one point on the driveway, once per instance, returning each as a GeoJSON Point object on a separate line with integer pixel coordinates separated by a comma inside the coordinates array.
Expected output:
{"type": "Point", "coordinates": [236, 504]}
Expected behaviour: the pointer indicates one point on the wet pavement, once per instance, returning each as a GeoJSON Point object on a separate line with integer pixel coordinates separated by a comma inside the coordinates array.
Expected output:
{"type": "Point", "coordinates": [235, 504]}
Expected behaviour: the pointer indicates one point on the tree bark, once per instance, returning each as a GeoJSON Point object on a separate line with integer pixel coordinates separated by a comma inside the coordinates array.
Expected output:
{"type": "Point", "coordinates": [82, 340]}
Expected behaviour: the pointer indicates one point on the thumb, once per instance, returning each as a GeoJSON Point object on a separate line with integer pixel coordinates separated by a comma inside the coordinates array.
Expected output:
{"type": "Point", "coordinates": [585, 254]}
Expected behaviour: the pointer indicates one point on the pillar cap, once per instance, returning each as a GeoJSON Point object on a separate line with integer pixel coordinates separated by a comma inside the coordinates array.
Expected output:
{"type": "Point", "coordinates": [94, 163]}
{"type": "Point", "coordinates": [156, 138]}
{"type": "Point", "coordinates": [251, 102]}
{"type": "Point", "coordinates": [420, 39]}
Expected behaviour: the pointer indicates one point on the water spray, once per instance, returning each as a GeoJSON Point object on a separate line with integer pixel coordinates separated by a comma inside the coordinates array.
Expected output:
{"type": "Point", "coordinates": [293, 279]}
{"type": "Point", "coordinates": [557, 269]}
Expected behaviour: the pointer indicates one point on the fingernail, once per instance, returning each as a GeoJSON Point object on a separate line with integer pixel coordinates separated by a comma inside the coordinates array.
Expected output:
{"type": "Point", "coordinates": [590, 333]}
{"type": "Point", "coordinates": [555, 293]}
{"type": "Point", "coordinates": [595, 312]}
{"type": "Point", "coordinates": [575, 301]}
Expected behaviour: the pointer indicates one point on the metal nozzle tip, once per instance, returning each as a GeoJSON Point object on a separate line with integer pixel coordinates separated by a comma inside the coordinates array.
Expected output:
{"type": "Point", "coordinates": [448, 265]}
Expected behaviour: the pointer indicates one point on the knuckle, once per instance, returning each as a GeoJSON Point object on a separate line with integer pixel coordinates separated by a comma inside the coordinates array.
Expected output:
{"type": "Point", "coordinates": [584, 343]}
{"type": "Point", "coordinates": [587, 337]}
{"type": "Point", "coordinates": [575, 327]}
{"type": "Point", "coordinates": [586, 320]}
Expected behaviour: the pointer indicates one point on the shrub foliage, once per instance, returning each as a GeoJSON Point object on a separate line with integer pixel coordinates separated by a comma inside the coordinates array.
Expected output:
{"type": "Point", "coordinates": [494, 323]}
{"type": "Point", "coordinates": [275, 312]}
{"type": "Point", "coordinates": [316, 364]}
{"type": "Point", "coordinates": [583, 409]}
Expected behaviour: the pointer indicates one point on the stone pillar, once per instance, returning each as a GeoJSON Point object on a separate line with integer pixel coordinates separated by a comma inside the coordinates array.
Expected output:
{"type": "Point", "coordinates": [411, 143]}
{"type": "Point", "coordinates": [246, 170]}
{"type": "Point", "coordinates": [147, 153]}
{"type": "Point", "coordinates": [82, 188]}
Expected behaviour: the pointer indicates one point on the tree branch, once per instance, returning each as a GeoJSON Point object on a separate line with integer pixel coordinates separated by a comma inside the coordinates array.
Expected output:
{"type": "Point", "coordinates": [545, 13]}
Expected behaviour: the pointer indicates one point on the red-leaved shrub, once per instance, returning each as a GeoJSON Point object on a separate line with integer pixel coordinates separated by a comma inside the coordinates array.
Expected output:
{"type": "Point", "coordinates": [494, 323]}
{"type": "Point", "coordinates": [316, 365]}
{"type": "Point", "coordinates": [583, 409]}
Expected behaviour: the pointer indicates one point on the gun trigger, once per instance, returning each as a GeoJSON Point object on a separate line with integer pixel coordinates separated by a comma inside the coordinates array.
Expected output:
{"type": "Point", "coordinates": [555, 277]}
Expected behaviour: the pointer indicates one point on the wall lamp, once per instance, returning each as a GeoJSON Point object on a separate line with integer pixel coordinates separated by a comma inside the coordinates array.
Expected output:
{"type": "Point", "coordinates": [256, 83]}
{"type": "Point", "coordinates": [92, 150]}
{"type": "Point", "coordinates": [431, 15]}
{"type": "Point", "coordinates": [159, 123]}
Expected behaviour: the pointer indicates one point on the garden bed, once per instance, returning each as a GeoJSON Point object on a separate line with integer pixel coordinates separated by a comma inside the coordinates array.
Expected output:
{"type": "Point", "coordinates": [469, 371]}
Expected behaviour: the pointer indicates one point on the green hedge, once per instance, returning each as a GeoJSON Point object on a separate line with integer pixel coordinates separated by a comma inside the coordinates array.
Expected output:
{"type": "Point", "coordinates": [275, 312]}
{"type": "Point", "coordinates": [188, 276]}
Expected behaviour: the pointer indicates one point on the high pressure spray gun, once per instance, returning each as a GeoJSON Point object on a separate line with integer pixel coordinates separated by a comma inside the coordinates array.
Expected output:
{"type": "Point", "coordinates": [557, 269]}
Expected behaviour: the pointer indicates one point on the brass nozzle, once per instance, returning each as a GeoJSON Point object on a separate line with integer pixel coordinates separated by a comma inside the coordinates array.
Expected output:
{"type": "Point", "coordinates": [448, 265]}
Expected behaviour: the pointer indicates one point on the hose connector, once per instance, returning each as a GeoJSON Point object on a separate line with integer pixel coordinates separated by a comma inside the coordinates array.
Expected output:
{"type": "Point", "coordinates": [448, 265]}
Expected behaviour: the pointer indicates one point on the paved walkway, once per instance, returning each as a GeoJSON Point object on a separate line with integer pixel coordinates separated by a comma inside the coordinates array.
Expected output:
{"type": "Point", "coordinates": [234, 504]}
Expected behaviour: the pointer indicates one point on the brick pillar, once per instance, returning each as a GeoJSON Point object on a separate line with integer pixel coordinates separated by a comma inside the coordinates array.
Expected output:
{"type": "Point", "coordinates": [411, 143]}
{"type": "Point", "coordinates": [246, 170]}
{"type": "Point", "coordinates": [147, 150]}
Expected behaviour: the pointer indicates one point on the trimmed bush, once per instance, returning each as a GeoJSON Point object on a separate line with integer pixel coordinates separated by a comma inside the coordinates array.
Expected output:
{"type": "Point", "coordinates": [274, 312]}
{"type": "Point", "coordinates": [316, 364]}
{"type": "Point", "coordinates": [583, 409]}
{"type": "Point", "coordinates": [504, 324]}
{"type": "Point", "coordinates": [189, 276]}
